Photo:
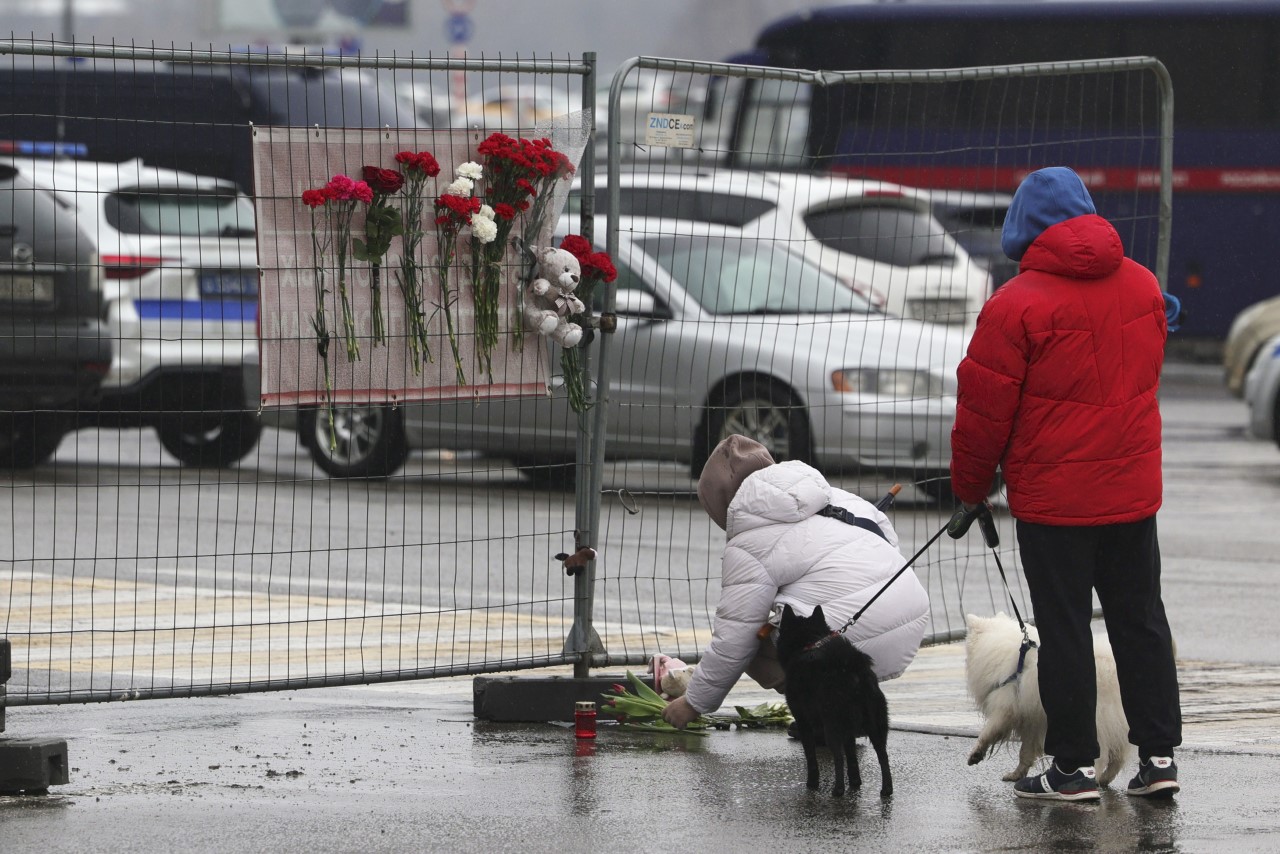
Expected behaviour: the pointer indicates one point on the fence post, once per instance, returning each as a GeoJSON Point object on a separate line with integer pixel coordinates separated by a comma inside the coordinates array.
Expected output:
{"type": "Point", "coordinates": [6, 670]}
{"type": "Point", "coordinates": [583, 640]}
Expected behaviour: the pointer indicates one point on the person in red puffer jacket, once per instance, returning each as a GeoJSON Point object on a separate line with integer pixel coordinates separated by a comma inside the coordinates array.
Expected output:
{"type": "Point", "coordinates": [1058, 390]}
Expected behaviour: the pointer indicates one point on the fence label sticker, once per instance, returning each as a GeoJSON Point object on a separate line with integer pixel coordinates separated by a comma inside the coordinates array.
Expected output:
{"type": "Point", "coordinates": [673, 130]}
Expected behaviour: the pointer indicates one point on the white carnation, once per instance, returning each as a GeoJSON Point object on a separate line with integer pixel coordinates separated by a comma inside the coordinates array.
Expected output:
{"type": "Point", "coordinates": [460, 187]}
{"type": "Point", "coordinates": [486, 212]}
{"type": "Point", "coordinates": [483, 230]}
{"type": "Point", "coordinates": [470, 170]}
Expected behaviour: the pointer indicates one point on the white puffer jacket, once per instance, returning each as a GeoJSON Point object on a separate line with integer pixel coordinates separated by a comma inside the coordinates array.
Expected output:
{"type": "Point", "coordinates": [780, 552]}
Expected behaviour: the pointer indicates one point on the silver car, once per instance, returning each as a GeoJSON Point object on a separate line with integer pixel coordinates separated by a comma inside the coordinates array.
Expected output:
{"type": "Point", "coordinates": [717, 333]}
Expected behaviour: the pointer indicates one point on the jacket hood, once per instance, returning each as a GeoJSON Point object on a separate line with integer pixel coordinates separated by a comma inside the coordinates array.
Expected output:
{"type": "Point", "coordinates": [790, 491]}
{"type": "Point", "coordinates": [1045, 198]}
{"type": "Point", "coordinates": [731, 462]}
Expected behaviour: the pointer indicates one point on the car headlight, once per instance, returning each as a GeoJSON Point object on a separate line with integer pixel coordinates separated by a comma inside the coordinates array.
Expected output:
{"type": "Point", "coordinates": [887, 382]}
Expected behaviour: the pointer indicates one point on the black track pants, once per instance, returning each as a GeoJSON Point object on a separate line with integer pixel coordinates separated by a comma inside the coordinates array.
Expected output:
{"type": "Point", "coordinates": [1063, 565]}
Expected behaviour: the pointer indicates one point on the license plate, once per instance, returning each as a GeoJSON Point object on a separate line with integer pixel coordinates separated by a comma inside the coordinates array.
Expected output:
{"type": "Point", "coordinates": [229, 283]}
{"type": "Point", "coordinates": [26, 287]}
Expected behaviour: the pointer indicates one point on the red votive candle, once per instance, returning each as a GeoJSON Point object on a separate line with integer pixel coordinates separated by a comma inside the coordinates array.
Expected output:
{"type": "Point", "coordinates": [584, 719]}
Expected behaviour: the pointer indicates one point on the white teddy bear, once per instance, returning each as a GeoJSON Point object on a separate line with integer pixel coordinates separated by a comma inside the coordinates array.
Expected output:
{"type": "Point", "coordinates": [549, 299]}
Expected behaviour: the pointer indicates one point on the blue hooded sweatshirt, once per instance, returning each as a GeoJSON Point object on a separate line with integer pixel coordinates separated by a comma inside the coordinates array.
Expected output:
{"type": "Point", "coordinates": [1045, 197]}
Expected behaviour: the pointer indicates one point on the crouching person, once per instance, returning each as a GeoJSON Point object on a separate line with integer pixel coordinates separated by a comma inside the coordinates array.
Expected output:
{"type": "Point", "coordinates": [784, 549]}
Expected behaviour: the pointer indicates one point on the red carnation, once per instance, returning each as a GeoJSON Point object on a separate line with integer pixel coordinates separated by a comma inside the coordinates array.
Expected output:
{"type": "Point", "coordinates": [504, 210]}
{"type": "Point", "coordinates": [576, 245]}
{"type": "Point", "coordinates": [384, 181]}
{"type": "Point", "coordinates": [422, 161]}
{"type": "Point", "coordinates": [314, 198]}
{"type": "Point", "coordinates": [598, 265]}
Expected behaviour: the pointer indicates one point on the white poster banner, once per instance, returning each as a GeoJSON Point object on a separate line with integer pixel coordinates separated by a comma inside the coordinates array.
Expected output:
{"type": "Point", "coordinates": [299, 366]}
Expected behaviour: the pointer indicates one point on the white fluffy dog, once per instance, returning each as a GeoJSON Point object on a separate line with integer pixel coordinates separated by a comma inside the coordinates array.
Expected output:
{"type": "Point", "coordinates": [1011, 707]}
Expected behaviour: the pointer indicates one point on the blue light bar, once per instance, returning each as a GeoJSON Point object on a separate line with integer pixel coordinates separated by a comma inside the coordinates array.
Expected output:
{"type": "Point", "coordinates": [33, 148]}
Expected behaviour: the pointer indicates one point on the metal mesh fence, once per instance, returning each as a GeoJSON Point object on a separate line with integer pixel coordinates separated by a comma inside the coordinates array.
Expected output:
{"type": "Point", "coordinates": [169, 535]}
{"type": "Point", "coordinates": [186, 519]}
{"type": "Point", "coordinates": [802, 262]}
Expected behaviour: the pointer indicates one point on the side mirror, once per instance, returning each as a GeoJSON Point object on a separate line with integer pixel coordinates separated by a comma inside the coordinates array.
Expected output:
{"type": "Point", "coordinates": [633, 303]}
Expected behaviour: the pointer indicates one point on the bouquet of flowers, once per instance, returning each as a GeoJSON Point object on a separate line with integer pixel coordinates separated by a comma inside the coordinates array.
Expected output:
{"type": "Point", "coordinates": [381, 224]}
{"type": "Point", "coordinates": [342, 194]}
{"type": "Point", "coordinates": [520, 176]}
{"type": "Point", "coordinates": [641, 708]}
{"type": "Point", "coordinates": [455, 208]}
{"type": "Point", "coordinates": [415, 168]}
{"type": "Point", "coordinates": [597, 269]}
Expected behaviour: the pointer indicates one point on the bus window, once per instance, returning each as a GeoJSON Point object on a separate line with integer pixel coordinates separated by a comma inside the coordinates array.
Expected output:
{"type": "Point", "coordinates": [774, 127]}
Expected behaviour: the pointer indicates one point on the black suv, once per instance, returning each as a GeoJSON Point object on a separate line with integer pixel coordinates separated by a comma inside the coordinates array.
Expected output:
{"type": "Point", "coordinates": [195, 118]}
{"type": "Point", "coordinates": [53, 348]}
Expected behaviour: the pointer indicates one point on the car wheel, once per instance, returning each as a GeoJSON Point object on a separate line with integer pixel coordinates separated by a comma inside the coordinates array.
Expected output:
{"type": "Point", "coordinates": [215, 441]}
{"type": "Point", "coordinates": [28, 439]}
{"type": "Point", "coordinates": [759, 409]}
{"type": "Point", "coordinates": [368, 441]}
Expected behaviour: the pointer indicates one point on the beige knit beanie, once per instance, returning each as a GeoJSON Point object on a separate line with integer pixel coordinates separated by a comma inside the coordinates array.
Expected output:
{"type": "Point", "coordinates": [732, 462]}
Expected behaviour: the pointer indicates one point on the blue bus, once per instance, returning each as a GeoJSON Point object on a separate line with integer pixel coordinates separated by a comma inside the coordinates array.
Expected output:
{"type": "Point", "coordinates": [1222, 55]}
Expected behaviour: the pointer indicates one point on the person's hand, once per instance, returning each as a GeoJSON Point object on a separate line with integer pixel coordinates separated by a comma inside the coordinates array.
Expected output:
{"type": "Point", "coordinates": [679, 713]}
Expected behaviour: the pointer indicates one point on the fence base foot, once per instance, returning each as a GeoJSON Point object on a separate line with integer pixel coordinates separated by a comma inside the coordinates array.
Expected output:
{"type": "Point", "coordinates": [531, 698]}
{"type": "Point", "coordinates": [31, 765]}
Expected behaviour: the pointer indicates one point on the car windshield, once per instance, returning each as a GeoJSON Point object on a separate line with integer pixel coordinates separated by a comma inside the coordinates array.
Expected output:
{"type": "Point", "coordinates": [185, 213]}
{"type": "Point", "coordinates": [735, 275]}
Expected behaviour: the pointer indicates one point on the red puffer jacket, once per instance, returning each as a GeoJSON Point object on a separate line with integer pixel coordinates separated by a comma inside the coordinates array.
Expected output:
{"type": "Point", "coordinates": [1059, 384]}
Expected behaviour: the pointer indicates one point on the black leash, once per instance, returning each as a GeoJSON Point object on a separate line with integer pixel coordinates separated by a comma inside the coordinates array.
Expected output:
{"type": "Point", "coordinates": [957, 528]}
{"type": "Point", "coordinates": [884, 504]}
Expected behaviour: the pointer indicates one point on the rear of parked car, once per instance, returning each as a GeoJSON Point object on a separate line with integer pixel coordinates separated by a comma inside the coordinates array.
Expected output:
{"type": "Point", "coordinates": [880, 239]}
{"type": "Point", "coordinates": [53, 348]}
{"type": "Point", "coordinates": [1246, 340]}
{"type": "Point", "coordinates": [1262, 392]}
{"type": "Point", "coordinates": [179, 264]}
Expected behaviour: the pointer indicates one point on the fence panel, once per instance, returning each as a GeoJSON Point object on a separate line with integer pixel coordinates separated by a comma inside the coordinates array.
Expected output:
{"type": "Point", "coordinates": [177, 529]}
{"type": "Point", "coordinates": [174, 535]}
{"type": "Point", "coordinates": [802, 257]}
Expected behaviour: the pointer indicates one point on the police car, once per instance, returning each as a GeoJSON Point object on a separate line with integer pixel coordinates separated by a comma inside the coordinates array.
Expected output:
{"type": "Point", "coordinates": [180, 283]}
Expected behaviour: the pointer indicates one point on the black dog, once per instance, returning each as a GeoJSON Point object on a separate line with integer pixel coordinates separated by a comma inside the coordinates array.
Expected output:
{"type": "Point", "coordinates": [832, 692]}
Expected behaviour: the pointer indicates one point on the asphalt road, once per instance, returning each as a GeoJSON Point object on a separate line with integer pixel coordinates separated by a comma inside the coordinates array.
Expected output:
{"type": "Point", "coordinates": [406, 767]}
{"type": "Point", "coordinates": [275, 555]}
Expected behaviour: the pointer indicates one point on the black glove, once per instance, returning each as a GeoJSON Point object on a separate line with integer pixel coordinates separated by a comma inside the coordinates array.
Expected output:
{"type": "Point", "coordinates": [964, 517]}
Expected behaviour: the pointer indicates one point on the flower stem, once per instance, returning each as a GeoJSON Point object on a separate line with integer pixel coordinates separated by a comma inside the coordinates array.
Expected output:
{"type": "Point", "coordinates": [447, 298]}
{"type": "Point", "coordinates": [321, 325]}
{"type": "Point", "coordinates": [375, 289]}
{"type": "Point", "coordinates": [574, 379]}
{"type": "Point", "coordinates": [343, 228]}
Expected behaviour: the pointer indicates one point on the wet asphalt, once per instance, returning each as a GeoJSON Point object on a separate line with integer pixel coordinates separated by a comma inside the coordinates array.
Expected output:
{"type": "Point", "coordinates": [406, 767]}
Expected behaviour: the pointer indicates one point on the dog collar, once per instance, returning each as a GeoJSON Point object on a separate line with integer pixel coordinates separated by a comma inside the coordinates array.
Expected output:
{"type": "Point", "coordinates": [820, 642]}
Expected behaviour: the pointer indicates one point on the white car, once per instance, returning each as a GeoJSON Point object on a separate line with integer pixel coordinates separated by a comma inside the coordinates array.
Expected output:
{"type": "Point", "coordinates": [717, 333]}
{"type": "Point", "coordinates": [880, 239]}
{"type": "Point", "coordinates": [1262, 392]}
{"type": "Point", "coordinates": [180, 283]}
